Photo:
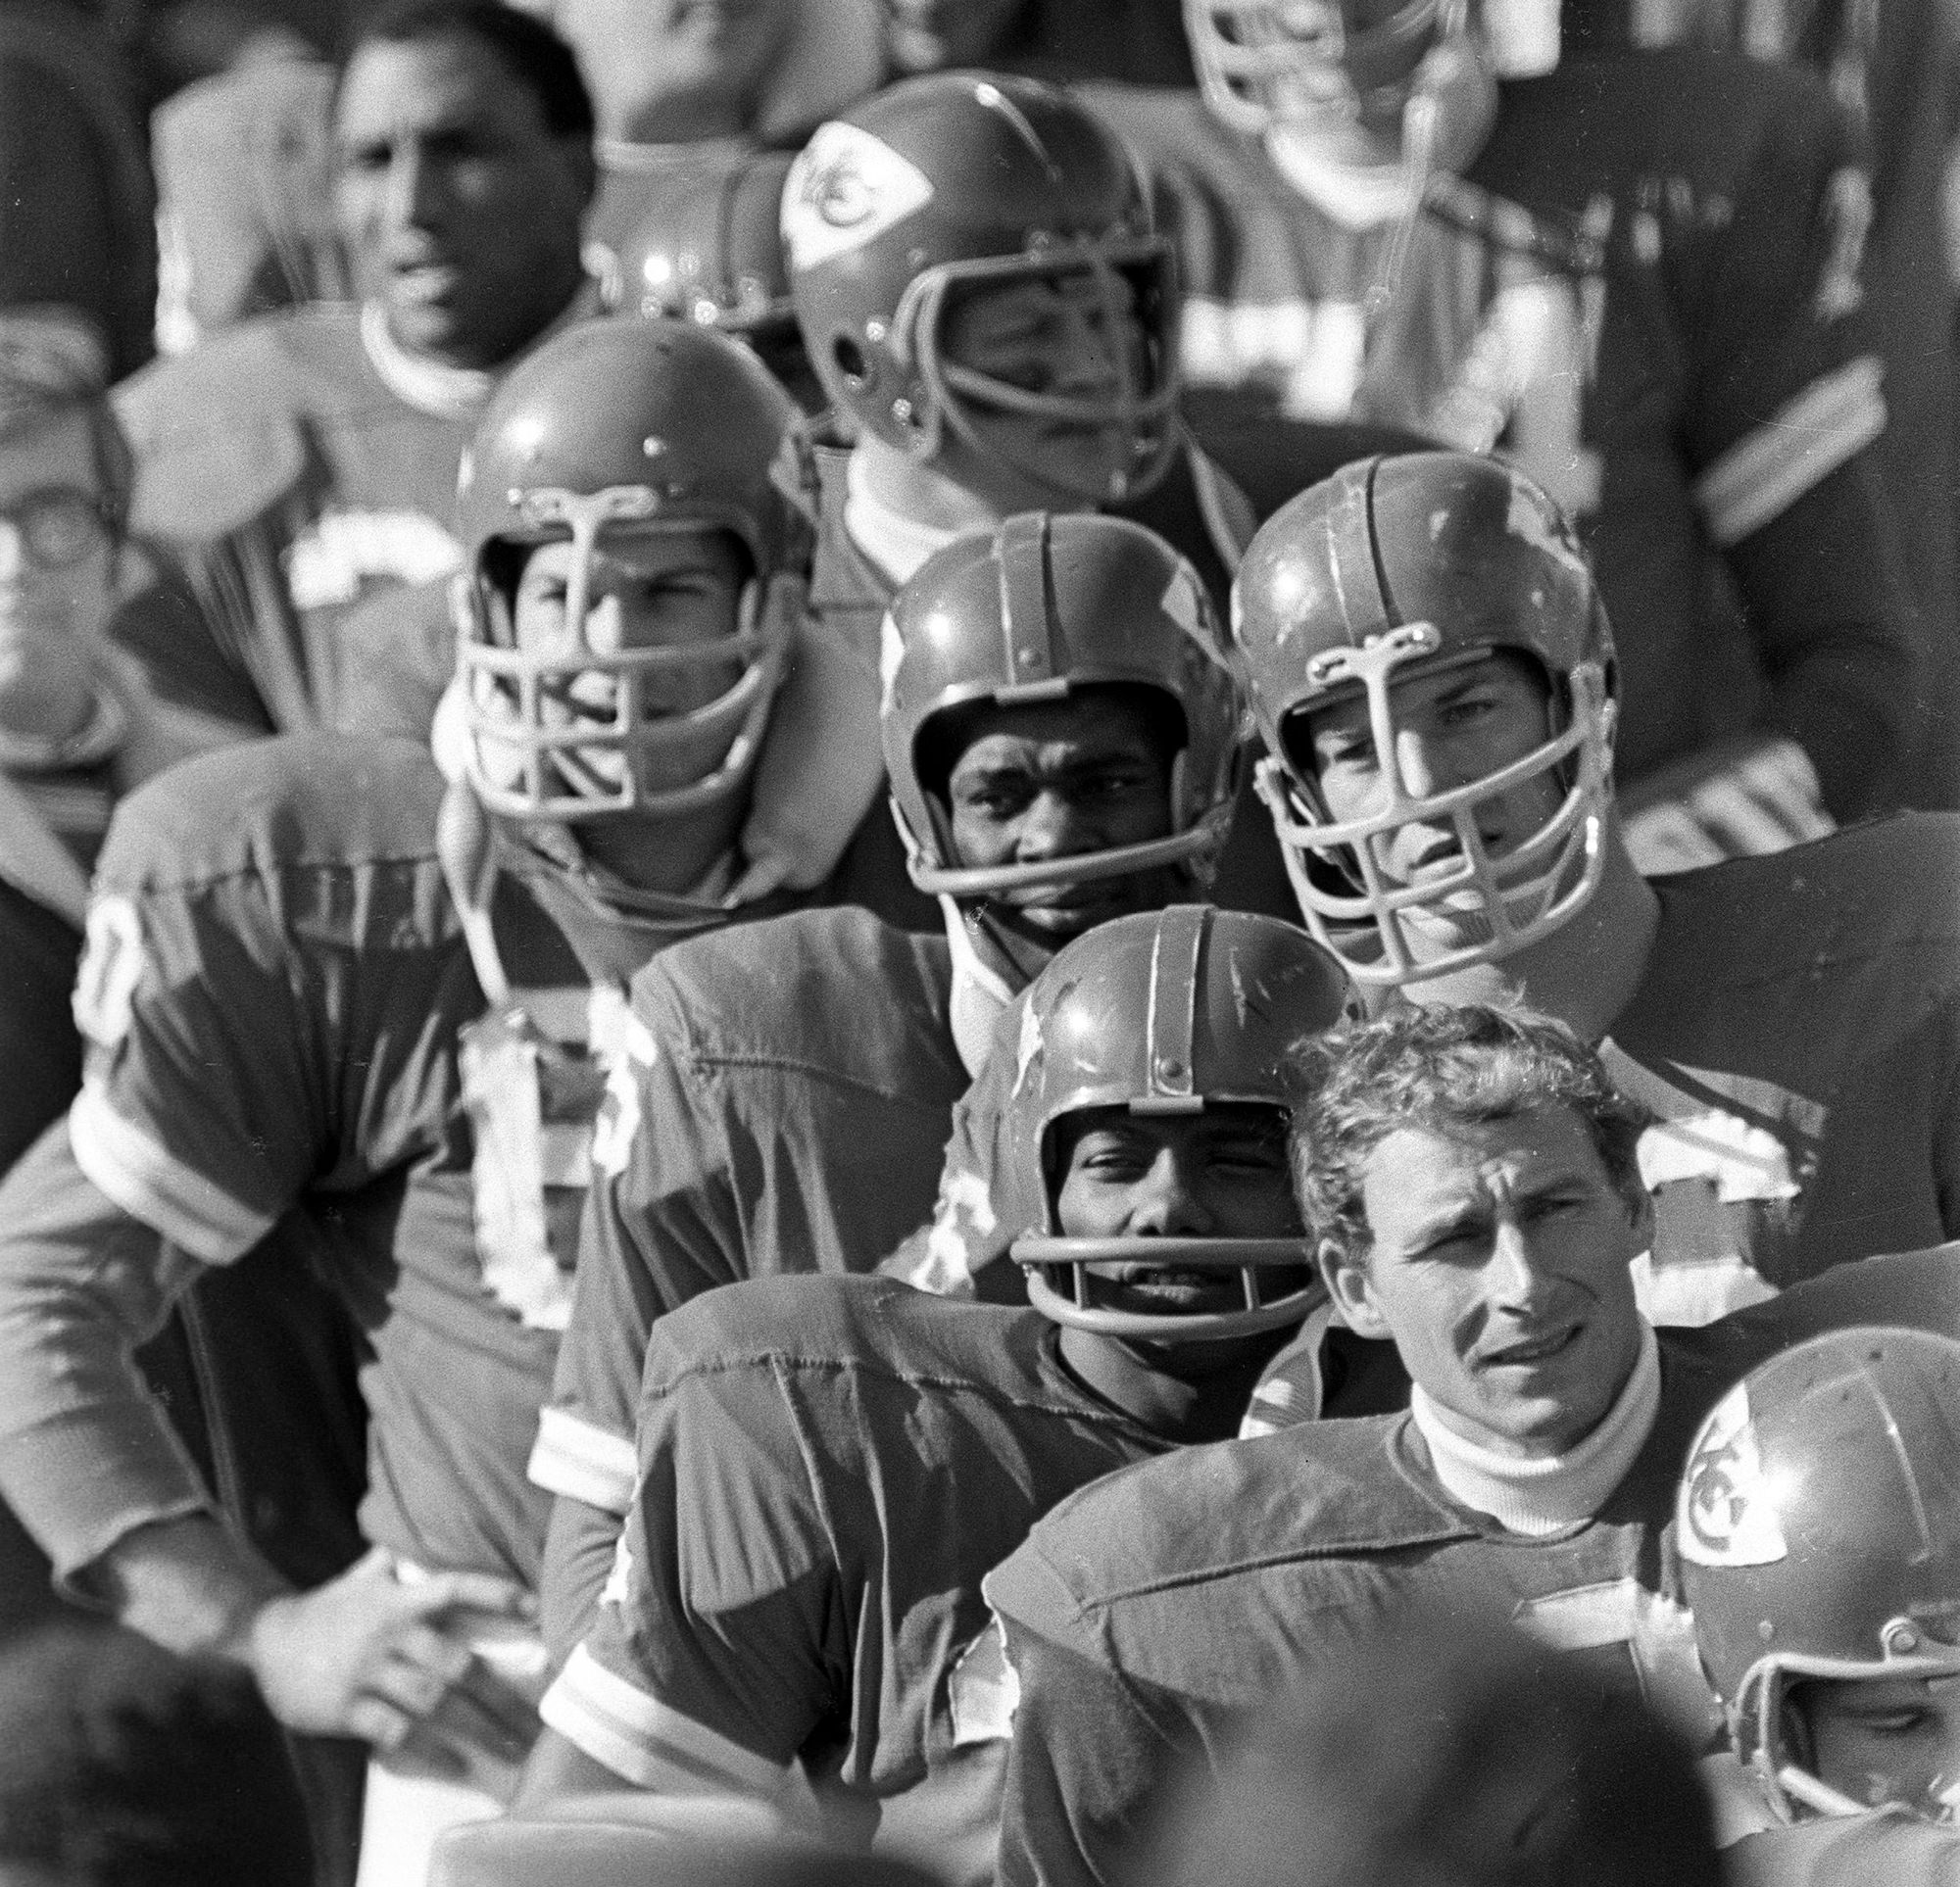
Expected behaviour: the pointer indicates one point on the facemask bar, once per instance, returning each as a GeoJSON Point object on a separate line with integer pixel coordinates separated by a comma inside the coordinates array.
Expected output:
{"type": "Point", "coordinates": [1247, 1256]}
{"type": "Point", "coordinates": [1756, 1716]}
{"type": "Point", "coordinates": [1289, 62]}
{"type": "Point", "coordinates": [1137, 420]}
{"type": "Point", "coordinates": [1521, 897]}
{"type": "Point", "coordinates": [524, 768]}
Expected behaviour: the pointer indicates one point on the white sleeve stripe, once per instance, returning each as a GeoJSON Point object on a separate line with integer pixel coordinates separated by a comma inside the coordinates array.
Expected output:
{"type": "Point", "coordinates": [637, 1736]}
{"type": "Point", "coordinates": [1767, 470]}
{"type": "Point", "coordinates": [573, 1457]}
{"type": "Point", "coordinates": [151, 1184]}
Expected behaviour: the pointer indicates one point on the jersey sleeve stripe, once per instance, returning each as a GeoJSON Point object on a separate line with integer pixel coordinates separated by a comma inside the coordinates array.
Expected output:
{"type": "Point", "coordinates": [573, 1457]}
{"type": "Point", "coordinates": [1767, 470]}
{"type": "Point", "coordinates": [637, 1736]}
{"type": "Point", "coordinates": [151, 1184]}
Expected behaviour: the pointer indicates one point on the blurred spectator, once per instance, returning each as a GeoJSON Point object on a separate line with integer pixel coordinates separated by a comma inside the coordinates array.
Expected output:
{"type": "Point", "coordinates": [121, 1765]}
{"type": "Point", "coordinates": [1435, 1757]}
{"type": "Point", "coordinates": [245, 211]}
{"type": "Point", "coordinates": [96, 693]}
{"type": "Point", "coordinates": [303, 462]}
{"type": "Point", "coordinates": [77, 239]}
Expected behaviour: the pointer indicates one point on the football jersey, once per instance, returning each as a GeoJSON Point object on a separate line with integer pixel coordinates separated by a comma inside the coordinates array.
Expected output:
{"type": "Point", "coordinates": [296, 464]}
{"type": "Point", "coordinates": [1643, 291]}
{"type": "Point", "coordinates": [283, 1015]}
{"type": "Point", "coordinates": [1155, 1611]}
{"type": "Point", "coordinates": [781, 1107]}
{"type": "Point", "coordinates": [1876, 60]}
{"type": "Point", "coordinates": [1797, 1031]}
{"type": "Point", "coordinates": [827, 1468]}
{"type": "Point", "coordinates": [1847, 1850]}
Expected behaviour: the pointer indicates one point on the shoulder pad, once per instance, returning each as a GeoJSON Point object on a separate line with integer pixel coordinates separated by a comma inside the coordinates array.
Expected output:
{"type": "Point", "coordinates": [1331, 1487]}
{"type": "Point", "coordinates": [217, 431]}
{"type": "Point", "coordinates": [782, 994]}
{"type": "Point", "coordinates": [264, 807]}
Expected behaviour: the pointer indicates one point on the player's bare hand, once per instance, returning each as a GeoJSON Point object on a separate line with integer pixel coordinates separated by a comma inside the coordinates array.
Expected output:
{"type": "Point", "coordinates": [367, 1655]}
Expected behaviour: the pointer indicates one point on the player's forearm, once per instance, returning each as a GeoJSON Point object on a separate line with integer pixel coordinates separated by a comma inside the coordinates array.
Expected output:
{"type": "Point", "coordinates": [85, 1456]}
{"type": "Point", "coordinates": [187, 1583]}
{"type": "Point", "coordinates": [558, 1769]}
{"type": "Point", "coordinates": [579, 1548]}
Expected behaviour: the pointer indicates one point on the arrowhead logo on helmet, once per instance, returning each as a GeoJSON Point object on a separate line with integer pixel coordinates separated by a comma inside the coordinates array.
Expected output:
{"type": "Point", "coordinates": [1727, 1515]}
{"type": "Point", "coordinates": [847, 188]}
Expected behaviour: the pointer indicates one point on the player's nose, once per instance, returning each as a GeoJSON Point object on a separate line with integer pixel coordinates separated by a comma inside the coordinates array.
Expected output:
{"type": "Point", "coordinates": [1421, 762]}
{"type": "Point", "coordinates": [1166, 1203]}
{"type": "Point", "coordinates": [1513, 1275]}
{"type": "Point", "coordinates": [605, 625]}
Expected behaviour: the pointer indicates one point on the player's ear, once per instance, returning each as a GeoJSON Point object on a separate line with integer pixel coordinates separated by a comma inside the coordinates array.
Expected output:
{"type": "Point", "coordinates": [1346, 1275]}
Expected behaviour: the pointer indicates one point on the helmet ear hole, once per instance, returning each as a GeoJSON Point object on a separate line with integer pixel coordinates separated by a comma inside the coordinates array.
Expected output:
{"type": "Point", "coordinates": [851, 360]}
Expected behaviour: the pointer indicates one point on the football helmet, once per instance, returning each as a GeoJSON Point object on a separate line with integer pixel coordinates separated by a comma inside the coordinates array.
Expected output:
{"type": "Point", "coordinates": [1163, 1012]}
{"type": "Point", "coordinates": [1403, 565]}
{"type": "Point", "coordinates": [708, 249]}
{"type": "Point", "coordinates": [1042, 605]}
{"type": "Point", "coordinates": [1263, 63]}
{"type": "Point", "coordinates": [1818, 1526]}
{"type": "Point", "coordinates": [620, 426]}
{"type": "Point", "coordinates": [954, 183]}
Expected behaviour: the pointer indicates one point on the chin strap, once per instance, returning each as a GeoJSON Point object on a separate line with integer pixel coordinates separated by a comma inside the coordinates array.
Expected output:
{"type": "Point", "coordinates": [465, 845]}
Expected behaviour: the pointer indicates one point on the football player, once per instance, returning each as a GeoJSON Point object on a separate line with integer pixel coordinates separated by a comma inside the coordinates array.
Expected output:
{"type": "Point", "coordinates": [82, 721]}
{"type": "Point", "coordinates": [1819, 1532]}
{"type": "Point", "coordinates": [1637, 281]}
{"type": "Point", "coordinates": [1472, 1182]}
{"type": "Point", "coordinates": [322, 984]}
{"type": "Point", "coordinates": [304, 462]}
{"type": "Point", "coordinates": [1063, 745]}
{"type": "Point", "coordinates": [986, 301]}
{"type": "Point", "coordinates": [984, 298]}
{"type": "Point", "coordinates": [827, 1467]}
{"type": "Point", "coordinates": [1430, 664]}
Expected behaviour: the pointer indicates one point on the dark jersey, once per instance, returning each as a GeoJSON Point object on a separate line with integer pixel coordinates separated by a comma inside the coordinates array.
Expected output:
{"type": "Point", "coordinates": [1797, 1029]}
{"type": "Point", "coordinates": [1654, 318]}
{"type": "Point", "coordinates": [284, 1016]}
{"type": "Point", "coordinates": [827, 1468]}
{"type": "Point", "coordinates": [1892, 65]}
{"type": "Point", "coordinates": [1150, 1614]}
{"type": "Point", "coordinates": [781, 1107]}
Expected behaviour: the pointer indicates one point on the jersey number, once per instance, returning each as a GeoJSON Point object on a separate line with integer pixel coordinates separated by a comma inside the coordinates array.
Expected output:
{"type": "Point", "coordinates": [1631, 1636]}
{"type": "Point", "coordinates": [112, 965]}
